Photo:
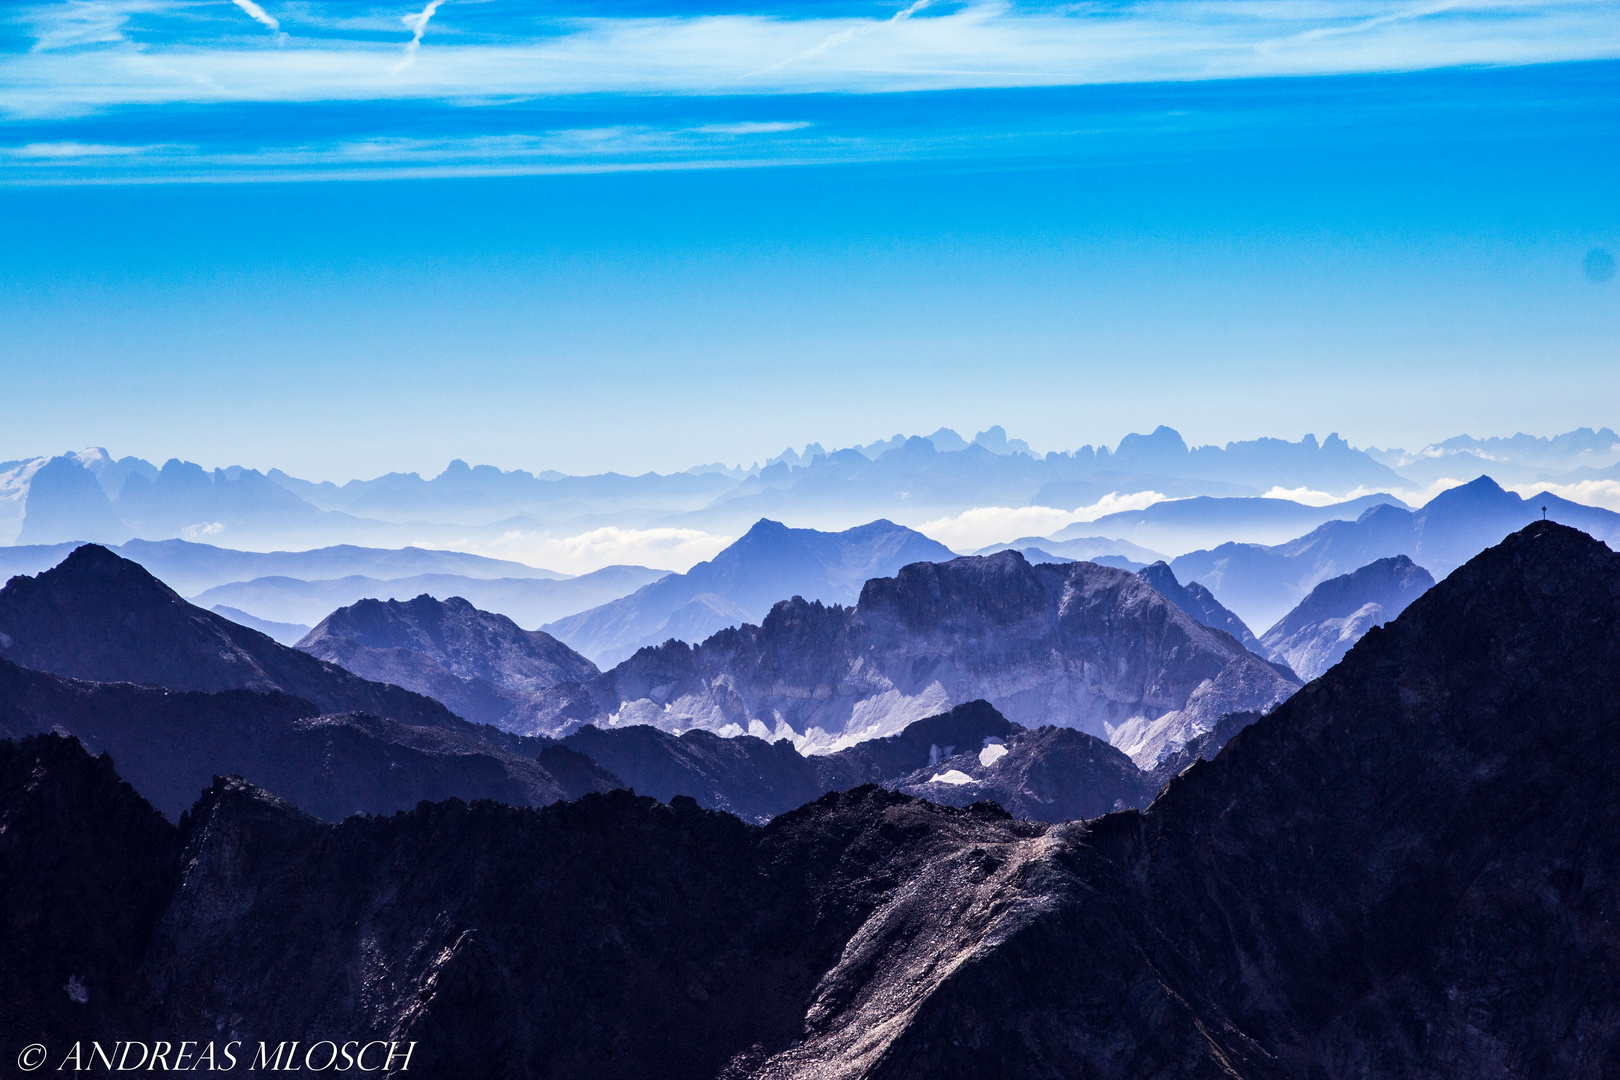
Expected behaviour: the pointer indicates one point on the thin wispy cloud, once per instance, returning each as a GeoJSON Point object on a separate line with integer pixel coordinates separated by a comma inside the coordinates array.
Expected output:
{"type": "Point", "coordinates": [978, 46]}
{"type": "Point", "coordinates": [258, 14]}
{"type": "Point", "coordinates": [80, 23]}
{"type": "Point", "coordinates": [848, 34]}
{"type": "Point", "coordinates": [418, 26]}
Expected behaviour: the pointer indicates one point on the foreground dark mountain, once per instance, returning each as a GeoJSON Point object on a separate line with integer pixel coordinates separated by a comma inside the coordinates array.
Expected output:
{"type": "Point", "coordinates": [1316, 634]}
{"type": "Point", "coordinates": [103, 618]}
{"type": "Point", "coordinates": [1077, 645]}
{"type": "Point", "coordinates": [1263, 583]}
{"type": "Point", "coordinates": [482, 665]}
{"type": "Point", "coordinates": [742, 582]}
{"type": "Point", "coordinates": [1405, 871]}
{"type": "Point", "coordinates": [171, 745]}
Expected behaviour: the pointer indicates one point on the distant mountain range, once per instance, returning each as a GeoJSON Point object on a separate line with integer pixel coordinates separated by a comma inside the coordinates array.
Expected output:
{"type": "Point", "coordinates": [1097, 549]}
{"type": "Point", "coordinates": [1404, 870]}
{"type": "Point", "coordinates": [769, 563]}
{"type": "Point", "coordinates": [282, 633]}
{"type": "Point", "coordinates": [528, 601]}
{"type": "Point", "coordinates": [1077, 645]}
{"type": "Point", "coordinates": [1521, 459]}
{"type": "Point", "coordinates": [88, 495]}
{"type": "Point", "coordinates": [180, 695]}
{"type": "Point", "coordinates": [1262, 583]}
{"type": "Point", "coordinates": [190, 568]}
{"type": "Point", "coordinates": [1181, 525]}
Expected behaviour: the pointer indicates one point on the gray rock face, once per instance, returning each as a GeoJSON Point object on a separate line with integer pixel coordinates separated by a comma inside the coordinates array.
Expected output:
{"type": "Point", "coordinates": [741, 583]}
{"type": "Point", "coordinates": [482, 665]}
{"type": "Point", "coordinates": [1077, 645]}
{"type": "Point", "coordinates": [1406, 870]}
{"type": "Point", "coordinates": [1316, 634]}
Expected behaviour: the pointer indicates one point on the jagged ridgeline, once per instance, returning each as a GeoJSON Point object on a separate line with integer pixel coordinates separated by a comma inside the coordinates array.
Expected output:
{"type": "Point", "coordinates": [1408, 869]}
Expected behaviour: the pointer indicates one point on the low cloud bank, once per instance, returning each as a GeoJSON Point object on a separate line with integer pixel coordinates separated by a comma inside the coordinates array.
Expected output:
{"type": "Point", "coordinates": [985, 525]}
{"type": "Point", "coordinates": [663, 549]}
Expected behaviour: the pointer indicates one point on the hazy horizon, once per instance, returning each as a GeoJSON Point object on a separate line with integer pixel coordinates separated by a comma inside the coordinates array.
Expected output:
{"type": "Point", "coordinates": [344, 240]}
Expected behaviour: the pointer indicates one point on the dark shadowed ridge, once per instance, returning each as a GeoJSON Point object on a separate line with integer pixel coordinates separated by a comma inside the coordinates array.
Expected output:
{"type": "Point", "coordinates": [170, 744]}
{"type": "Point", "coordinates": [1407, 870]}
{"type": "Point", "coordinates": [101, 617]}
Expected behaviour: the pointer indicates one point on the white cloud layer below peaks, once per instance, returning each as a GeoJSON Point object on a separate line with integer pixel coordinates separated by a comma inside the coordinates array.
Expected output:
{"type": "Point", "coordinates": [986, 525]}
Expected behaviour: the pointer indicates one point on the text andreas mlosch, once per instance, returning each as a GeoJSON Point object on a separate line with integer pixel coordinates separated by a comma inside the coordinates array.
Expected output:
{"type": "Point", "coordinates": [190, 1056]}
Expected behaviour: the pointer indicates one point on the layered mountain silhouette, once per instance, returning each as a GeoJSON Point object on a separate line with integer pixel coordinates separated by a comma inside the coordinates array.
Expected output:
{"type": "Point", "coordinates": [341, 755]}
{"type": "Point", "coordinates": [1404, 870]}
{"type": "Point", "coordinates": [1200, 603]}
{"type": "Point", "coordinates": [1316, 634]}
{"type": "Point", "coordinates": [66, 502]}
{"type": "Point", "coordinates": [482, 665]}
{"type": "Point", "coordinates": [769, 562]}
{"type": "Point", "coordinates": [527, 601]}
{"type": "Point", "coordinates": [1098, 549]}
{"type": "Point", "coordinates": [1074, 645]}
{"type": "Point", "coordinates": [101, 617]}
{"type": "Point", "coordinates": [171, 744]}
{"type": "Point", "coordinates": [283, 633]}
{"type": "Point", "coordinates": [189, 568]}
{"type": "Point", "coordinates": [1262, 583]}
{"type": "Point", "coordinates": [1183, 524]}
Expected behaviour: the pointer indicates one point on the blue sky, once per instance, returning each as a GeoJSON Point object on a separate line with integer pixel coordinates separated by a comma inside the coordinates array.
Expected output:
{"type": "Point", "coordinates": [646, 235]}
